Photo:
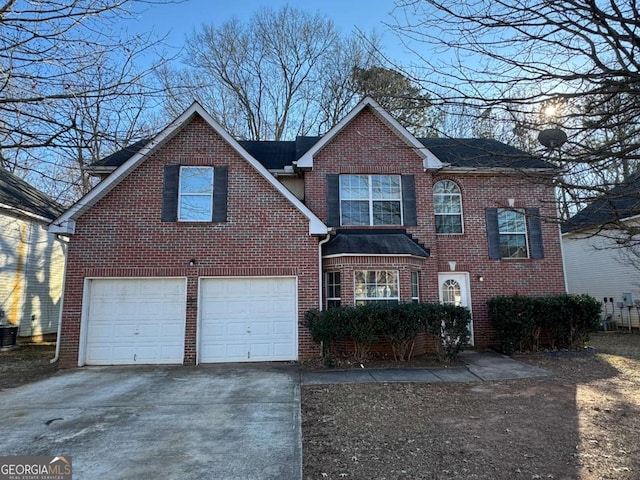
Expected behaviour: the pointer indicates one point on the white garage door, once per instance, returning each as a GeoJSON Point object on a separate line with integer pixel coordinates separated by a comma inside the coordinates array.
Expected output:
{"type": "Point", "coordinates": [135, 321]}
{"type": "Point", "coordinates": [248, 319]}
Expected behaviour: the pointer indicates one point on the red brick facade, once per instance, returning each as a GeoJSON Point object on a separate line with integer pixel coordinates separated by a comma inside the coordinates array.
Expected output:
{"type": "Point", "coordinates": [368, 146]}
{"type": "Point", "coordinates": [122, 236]}
{"type": "Point", "coordinates": [266, 235]}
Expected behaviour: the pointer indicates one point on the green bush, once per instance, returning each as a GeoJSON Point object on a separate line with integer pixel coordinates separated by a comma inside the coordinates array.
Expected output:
{"type": "Point", "coordinates": [401, 325]}
{"type": "Point", "coordinates": [564, 320]}
{"type": "Point", "coordinates": [514, 320]}
{"type": "Point", "coordinates": [450, 323]}
{"type": "Point", "coordinates": [363, 325]}
{"type": "Point", "coordinates": [397, 323]}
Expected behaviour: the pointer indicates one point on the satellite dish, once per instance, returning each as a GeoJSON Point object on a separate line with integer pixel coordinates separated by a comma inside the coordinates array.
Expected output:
{"type": "Point", "coordinates": [552, 137]}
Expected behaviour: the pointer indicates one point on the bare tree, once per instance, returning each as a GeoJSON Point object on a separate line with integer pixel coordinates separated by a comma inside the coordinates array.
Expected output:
{"type": "Point", "coordinates": [59, 59]}
{"type": "Point", "coordinates": [400, 96]}
{"type": "Point", "coordinates": [576, 61]}
{"type": "Point", "coordinates": [281, 74]}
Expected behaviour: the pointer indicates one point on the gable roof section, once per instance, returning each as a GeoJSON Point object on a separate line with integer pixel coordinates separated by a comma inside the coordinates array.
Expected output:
{"type": "Point", "coordinates": [429, 160]}
{"type": "Point", "coordinates": [482, 153]}
{"type": "Point", "coordinates": [66, 222]}
{"type": "Point", "coordinates": [619, 204]}
{"type": "Point", "coordinates": [17, 195]}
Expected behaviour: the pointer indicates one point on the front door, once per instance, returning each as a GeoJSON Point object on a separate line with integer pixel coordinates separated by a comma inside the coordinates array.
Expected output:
{"type": "Point", "coordinates": [453, 288]}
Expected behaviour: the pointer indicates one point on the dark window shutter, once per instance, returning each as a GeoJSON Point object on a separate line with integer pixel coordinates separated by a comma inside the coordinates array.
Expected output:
{"type": "Point", "coordinates": [535, 233]}
{"type": "Point", "coordinates": [493, 234]}
{"type": "Point", "coordinates": [220, 182]}
{"type": "Point", "coordinates": [170, 193]}
{"type": "Point", "coordinates": [409, 200]}
{"type": "Point", "coordinates": [333, 200]}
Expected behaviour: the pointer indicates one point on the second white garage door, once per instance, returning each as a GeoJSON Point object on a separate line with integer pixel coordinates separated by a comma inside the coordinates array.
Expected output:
{"type": "Point", "coordinates": [248, 319]}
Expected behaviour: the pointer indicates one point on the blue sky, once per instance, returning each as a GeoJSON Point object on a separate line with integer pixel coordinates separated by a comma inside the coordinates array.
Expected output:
{"type": "Point", "coordinates": [180, 19]}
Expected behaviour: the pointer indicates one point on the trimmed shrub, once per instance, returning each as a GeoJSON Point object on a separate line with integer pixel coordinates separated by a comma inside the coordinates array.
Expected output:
{"type": "Point", "coordinates": [564, 320]}
{"type": "Point", "coordinates": [450, 323]}
{"type": "Point", "coordinates": [514, 320]}
{"type": "Point", "coordinates": [363, 325]}
{"type": "Point", "coordinates": [399, 324]}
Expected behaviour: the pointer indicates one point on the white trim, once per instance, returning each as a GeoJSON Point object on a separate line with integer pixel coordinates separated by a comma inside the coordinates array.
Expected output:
{"type": "Point", "coordinates": [467, 286]}
{"type": "Point", "coordinates": [370, 200]}
{"type": "Point", "coordinates": [417, 274]}
{"type": "Point", "coordinates": [182, 194]}
{"type": "Point", "coordinates": [320, 272]}
{"type": "Point", "coordinates": [84, 316]}
{"type": "Point", "coordinates": [199, 310]}
{"type": "Point", "coordinates": [435, 215]}
{"type": "Point", "coordinates": [61, 224]}
{"type": "Point", "coordinates": [393, 255]}
{"type": "Point", "coordinates": [65, 245]}
{"type": "Point", "coordinates": [25, 213]}
{"type": "Point", "coordinates": [429, 160]}
{"type": "Point", "coordinates": [356, 299]}
{"type": "Point", "coordinates": [596, 230]}
{"type": "Point", "coordinates": [523, 212]}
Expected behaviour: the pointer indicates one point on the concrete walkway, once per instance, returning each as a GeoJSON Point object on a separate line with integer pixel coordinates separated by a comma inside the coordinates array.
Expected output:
{"type": "Point", "coordinates": [479, 366]}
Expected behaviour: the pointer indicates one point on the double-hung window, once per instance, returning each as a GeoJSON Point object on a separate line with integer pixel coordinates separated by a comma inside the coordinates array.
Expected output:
{"type": "Point", "coordinates": [376, 286]}
{"type": "Point", "coordinates": [333, 289]}
{"type": "Point", "coordinates": [195, 195]}
{"type": "Point", "coordinates": [447, 206]}
{"type": "Point", "coordinates": [512, 228]}
{"type": "Point", "coordinates": [415, 287]}
{"type": "Point", "coordinates": [370, 200]}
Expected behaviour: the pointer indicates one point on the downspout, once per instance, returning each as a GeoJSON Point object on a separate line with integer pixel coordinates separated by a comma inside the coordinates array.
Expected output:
{"type": "Point", "coordinates": [63, 243]}
{"type": "Point", "coordinates": [320, 282]}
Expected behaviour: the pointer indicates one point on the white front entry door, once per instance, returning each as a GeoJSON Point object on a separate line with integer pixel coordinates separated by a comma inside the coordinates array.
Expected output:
{"type": "Point", "coordinates": [453, 288]}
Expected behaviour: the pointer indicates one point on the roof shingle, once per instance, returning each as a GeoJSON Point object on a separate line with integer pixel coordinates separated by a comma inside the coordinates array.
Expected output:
{"type": "Point", "coordinates": [18, 194]}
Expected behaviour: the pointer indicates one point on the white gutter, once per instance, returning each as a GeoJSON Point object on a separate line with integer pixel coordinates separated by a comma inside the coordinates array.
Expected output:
{"type": "Point", "coordinates": [64, 279]}
{"type": "Point", "coordinates": [320, 282]}
{"type": "Point", "coordinates": [564, 266]}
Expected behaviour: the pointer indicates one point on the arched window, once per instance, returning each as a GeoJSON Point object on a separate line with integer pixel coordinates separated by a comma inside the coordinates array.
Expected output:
{"type": "Point", "coordinates": [451, 293]}
{"type": "Point", "coordinates": [447, 206]}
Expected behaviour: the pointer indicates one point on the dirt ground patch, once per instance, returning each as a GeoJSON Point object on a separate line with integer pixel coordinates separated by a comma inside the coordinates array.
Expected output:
{"type": "Point", "coordinates": [27, 363]}
{"type": "Point", "coordinates": [581, 423]}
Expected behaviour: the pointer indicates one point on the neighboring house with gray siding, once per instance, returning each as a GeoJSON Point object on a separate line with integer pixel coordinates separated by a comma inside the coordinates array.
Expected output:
{"type": "Point", "coordinates": [597, 259]}
{"type": "Point", "coordinates": [31, 259]}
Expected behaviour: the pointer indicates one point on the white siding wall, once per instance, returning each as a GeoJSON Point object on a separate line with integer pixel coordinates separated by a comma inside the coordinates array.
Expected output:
{"type": "Point", "coordinates": [593, 268]}
{"type": "Point", "coordinates": [31, 273]}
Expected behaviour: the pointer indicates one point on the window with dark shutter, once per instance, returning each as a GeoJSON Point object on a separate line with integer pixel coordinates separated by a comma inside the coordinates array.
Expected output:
{"type": "Point", "coordinates": [194, 194]}
{"type": "Point", "coordinates": [409, 200]}
{"type": "Point", "coordinates": [509, 235]}
{"type": "Point", "coordinates": [333, 200]}
{"type": "Point", "coordinates": [170, 193]}
{"type": "Point", "coordinates": [220, 186]}
{"type": "Point", "coordinates": [535, 233]}
{"type": "Point", "coordinates": [493, 234]}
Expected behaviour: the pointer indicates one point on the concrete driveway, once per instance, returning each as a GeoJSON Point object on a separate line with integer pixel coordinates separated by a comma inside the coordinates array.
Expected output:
{"type": "Point", "coordinates": [208, 422]}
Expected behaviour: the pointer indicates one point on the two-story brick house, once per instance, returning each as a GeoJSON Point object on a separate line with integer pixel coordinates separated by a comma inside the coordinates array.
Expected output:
{"type": "Point", "coordinates": [198, 248]}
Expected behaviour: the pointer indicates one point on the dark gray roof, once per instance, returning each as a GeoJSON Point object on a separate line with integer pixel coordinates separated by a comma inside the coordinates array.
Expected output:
{"type": "Point", "coordinates": [457, 152]}
{"type": "Point", "coordinates": [273, 155]}
{"type": "Point", "coordinates": [373, 242]}
{"type": "Point", "coordinates": [481, 153]}
{"type": "Point", "coordinates": [17, 193]}
{"type": "Point", "coordinates": [622, 201]}
{"type": "Point", "coordinates": [118, 158]}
